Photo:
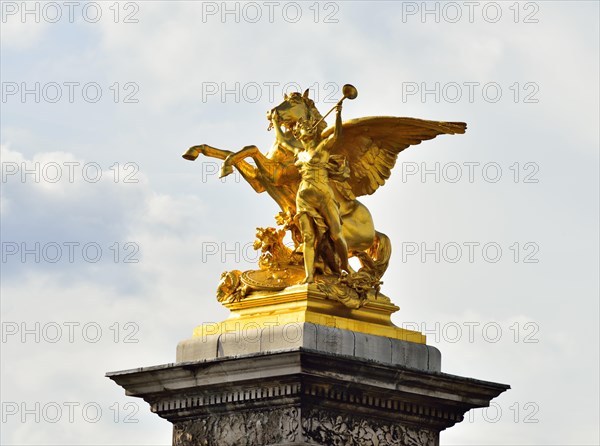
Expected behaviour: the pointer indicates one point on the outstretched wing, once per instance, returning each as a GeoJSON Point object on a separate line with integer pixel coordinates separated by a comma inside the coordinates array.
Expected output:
{"type": "Point", "coordinates": [371, 146]}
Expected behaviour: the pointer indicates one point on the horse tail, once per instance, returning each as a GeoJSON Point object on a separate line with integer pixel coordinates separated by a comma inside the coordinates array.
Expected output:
{"type": "Point", "coordinates": [380, 253]}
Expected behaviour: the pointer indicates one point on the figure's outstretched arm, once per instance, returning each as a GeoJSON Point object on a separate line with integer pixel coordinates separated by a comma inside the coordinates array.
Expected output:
{"type": "Point", "coordinates": [338, 120]}
{"type": "Point", "coordinates": [337, 130]}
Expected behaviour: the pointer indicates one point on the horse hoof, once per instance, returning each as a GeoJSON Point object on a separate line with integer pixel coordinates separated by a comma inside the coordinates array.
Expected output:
{"type": "Point", "coordinates": [191, 154]}
{"type": "Point", "coordinates": [226, 169]}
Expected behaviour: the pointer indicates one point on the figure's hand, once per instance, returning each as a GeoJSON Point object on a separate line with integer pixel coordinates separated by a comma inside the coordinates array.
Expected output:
{"type": "Point", "coordinates": [338, 108]}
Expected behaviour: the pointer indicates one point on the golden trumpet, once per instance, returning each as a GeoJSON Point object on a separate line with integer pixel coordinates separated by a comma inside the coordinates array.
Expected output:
{"type": "Point", "coordinates": [349, 91]}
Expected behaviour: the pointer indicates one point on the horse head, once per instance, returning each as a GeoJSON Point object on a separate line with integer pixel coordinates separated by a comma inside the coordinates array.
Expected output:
{"type": "Point", "coordinates": [296, 106]}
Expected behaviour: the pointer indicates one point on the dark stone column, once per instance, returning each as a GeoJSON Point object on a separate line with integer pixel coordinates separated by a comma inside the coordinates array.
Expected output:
{"type": "Point", "coordinates": [309, 396]}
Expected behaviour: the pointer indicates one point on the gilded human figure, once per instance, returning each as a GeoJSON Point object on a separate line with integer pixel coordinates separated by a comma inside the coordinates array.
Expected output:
{"type": "Point", "coordinates": [317, 210]}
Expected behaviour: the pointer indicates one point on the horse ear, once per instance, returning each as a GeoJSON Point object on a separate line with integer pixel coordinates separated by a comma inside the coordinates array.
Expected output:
{"type": "Point", "coordinates": [305, 95]}
{"type": "Point", "coordinates": [285, 96]}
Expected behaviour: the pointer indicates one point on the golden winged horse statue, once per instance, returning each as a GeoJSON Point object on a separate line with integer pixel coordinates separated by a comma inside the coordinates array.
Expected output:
{"type": "Point", "coordinates": [318, 171]}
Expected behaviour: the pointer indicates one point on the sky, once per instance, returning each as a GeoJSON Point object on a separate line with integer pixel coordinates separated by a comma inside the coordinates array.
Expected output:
{"type": "Point", "coordinates": [112, 244]}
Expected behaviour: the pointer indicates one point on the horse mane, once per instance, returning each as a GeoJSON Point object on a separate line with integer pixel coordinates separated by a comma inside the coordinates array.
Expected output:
{"type": "Point", "coordinates": [314, 113]}
{"type": "Point", "coordinates": [312, 110]}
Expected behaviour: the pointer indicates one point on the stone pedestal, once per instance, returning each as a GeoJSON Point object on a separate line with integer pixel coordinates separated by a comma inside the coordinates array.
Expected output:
{"type": "Point", "coordinates": [271, 375]}
{"type": "Point", "coordinates": [306, 384]}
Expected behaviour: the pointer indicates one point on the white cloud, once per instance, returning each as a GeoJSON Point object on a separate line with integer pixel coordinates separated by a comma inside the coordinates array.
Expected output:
{"type": "Point", "coordinates": [51, 301]}
{"type": "Point", "coordinates": [18, 33]}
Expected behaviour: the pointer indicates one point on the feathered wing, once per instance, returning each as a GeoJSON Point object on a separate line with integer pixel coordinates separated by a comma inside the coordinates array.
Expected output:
{"type": "Point", "coordinates": [371, 146]}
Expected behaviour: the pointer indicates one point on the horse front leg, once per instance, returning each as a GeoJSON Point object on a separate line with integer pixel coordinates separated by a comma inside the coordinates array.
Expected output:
{"type": "Point", "coordinates": [206, 150]}
{"type": "Point", "coordinates": [247, 170]}
{"type": "Point", "coordinates": [234, 158]}
{"type": "Point", "coordinates": [250, 174]}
